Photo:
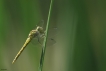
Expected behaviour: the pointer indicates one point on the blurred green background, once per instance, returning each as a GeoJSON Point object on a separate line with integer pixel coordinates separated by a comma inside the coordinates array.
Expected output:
{"type": "Point", "coordinates": [80, 41]}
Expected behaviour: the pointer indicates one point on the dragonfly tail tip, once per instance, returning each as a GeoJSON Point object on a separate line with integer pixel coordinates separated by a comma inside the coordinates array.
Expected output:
{"type": "Point", "coordinates": [13, 62]}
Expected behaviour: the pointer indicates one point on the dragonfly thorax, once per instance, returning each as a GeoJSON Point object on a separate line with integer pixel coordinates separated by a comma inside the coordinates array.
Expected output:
{"type": "Point", "coordinates": [33, 33]}
{"type": "Point", "coordinates": [38, 32]}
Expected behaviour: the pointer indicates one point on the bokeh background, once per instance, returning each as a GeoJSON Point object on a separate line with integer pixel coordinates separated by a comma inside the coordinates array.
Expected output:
{"type": "Point", "coordinates": [80, 40]}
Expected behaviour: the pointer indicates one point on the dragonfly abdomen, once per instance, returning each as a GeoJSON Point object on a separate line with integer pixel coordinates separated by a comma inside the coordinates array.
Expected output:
{"type": "Point", "coordinates": [21, 50]}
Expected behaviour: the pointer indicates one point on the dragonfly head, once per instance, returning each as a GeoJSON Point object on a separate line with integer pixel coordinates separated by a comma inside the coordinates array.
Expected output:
{"type": "Point", "coordinates": [40, 29]}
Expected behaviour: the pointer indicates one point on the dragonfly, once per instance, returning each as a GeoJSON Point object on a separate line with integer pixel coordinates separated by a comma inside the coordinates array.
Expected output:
{"type": "Point", "coordinates": [35, 33]}
{"type": "Point", "coordinates": [38, 33]}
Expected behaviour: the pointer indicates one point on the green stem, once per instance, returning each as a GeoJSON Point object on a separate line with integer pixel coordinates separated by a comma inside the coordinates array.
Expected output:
{"type": "Point", "coordinates": [45, 40]}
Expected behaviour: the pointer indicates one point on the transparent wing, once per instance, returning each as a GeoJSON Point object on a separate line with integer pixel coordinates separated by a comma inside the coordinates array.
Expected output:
{"type": "Point", "coordinates": [52, 33]}
{"type": "Point", "coordinates": [35, 41]}
{"type": "Point", "coordinates": [50, 39]}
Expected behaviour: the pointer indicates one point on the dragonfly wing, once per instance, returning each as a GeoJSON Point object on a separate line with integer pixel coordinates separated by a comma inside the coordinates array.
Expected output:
{"type": "Point", "coordinates": [52, 33]}
{"type": "Point", "coordinates": [37, 41]}
{"type": "Point", "coordinates": [51, 41]}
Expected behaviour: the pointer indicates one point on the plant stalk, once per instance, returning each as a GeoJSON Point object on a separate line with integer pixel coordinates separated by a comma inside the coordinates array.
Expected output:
{"type": "Point", "coordinates": [45, 40]}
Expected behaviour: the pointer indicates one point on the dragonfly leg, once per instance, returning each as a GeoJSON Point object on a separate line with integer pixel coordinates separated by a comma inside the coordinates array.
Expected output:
{"type": "Point", "coordinates": [39, 40]}
{"type": "Point", "coordinates": [43, 35]}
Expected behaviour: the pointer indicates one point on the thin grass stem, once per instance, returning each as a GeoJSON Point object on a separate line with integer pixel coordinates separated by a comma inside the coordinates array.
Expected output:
{"type": "Point", "coordinates": [45, 40]}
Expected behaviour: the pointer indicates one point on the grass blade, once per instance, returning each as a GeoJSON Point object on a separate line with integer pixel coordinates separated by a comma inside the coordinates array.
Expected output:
{"type": "Point", "coordinates": [45, 40]}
